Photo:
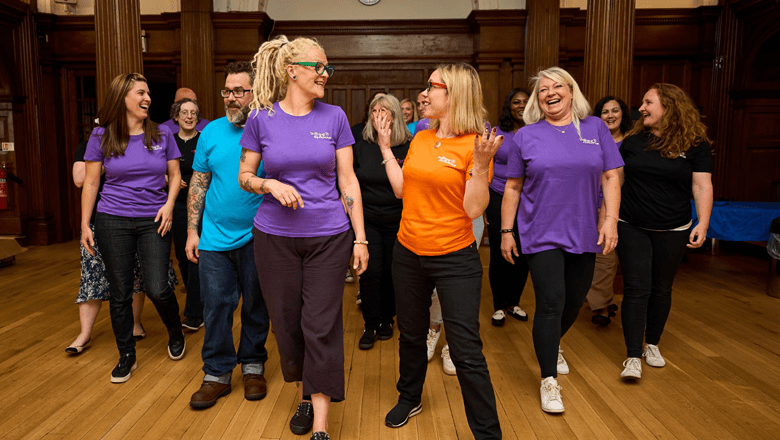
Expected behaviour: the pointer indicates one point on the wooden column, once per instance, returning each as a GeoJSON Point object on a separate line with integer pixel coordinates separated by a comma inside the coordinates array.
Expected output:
{"type": "Point", "coordinates": [721, 112]}
{"type": "Point", "coordinates": [197, 53]}
{"type": "Point", "coordinates": [609, 49]}
{"type": "Point", "coordinates": [117, 41]}
{"type": "Point", "coordinates": [542, 36]}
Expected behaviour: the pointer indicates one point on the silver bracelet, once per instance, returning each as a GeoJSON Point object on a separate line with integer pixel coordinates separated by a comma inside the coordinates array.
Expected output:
{"type": "Point", "coordinates": [387, 160]}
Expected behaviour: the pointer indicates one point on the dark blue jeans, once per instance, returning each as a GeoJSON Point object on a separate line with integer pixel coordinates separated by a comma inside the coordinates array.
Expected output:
{"type": "Point", "coordinates": [457, 277]}
{"type": "Point", "coordinates": [224, 277]}
{"type": "Point", "coordinates": [649, 261]}
{"type": "Point", "coordinates": [193, 308]}
{"type": "Point", "coordinates": [121, 238]}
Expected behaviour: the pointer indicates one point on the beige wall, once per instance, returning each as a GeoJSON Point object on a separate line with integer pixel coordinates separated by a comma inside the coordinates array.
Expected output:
{"type": "Point", "coordinates": [353, 9]}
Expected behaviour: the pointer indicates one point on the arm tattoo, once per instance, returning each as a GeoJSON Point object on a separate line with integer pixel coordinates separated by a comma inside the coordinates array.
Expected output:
{"type": "Point", "coordinates": [348, 201]}
{"type": "Point", "coordinates": [246, 185]}
{"type": "Point", "coordinates": [243, 155]}
{"type": "Point", "coordinates": [199, 184]}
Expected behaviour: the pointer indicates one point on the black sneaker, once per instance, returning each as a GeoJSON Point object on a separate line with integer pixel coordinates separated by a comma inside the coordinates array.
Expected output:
{"type": "Point", "coordinates": [176, 344]}
{"type": "Point", "coordinates": [303, 419]}
{"type": "Point", "coordinates": [398, 416]}
{"type": "Point", "coordinates": [385, 331]}
{"type": "Point", "coordinates": [319, 435]}
{"type": "Point", "coordinates": [366, 341]}
{"type": "Point", "coordinates": [122, 371]}
{"type": "Point", "coordinates": [192, 323]}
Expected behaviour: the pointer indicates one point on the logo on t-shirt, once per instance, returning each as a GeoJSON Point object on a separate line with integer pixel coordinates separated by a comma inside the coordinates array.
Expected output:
{"type": "Point", "coordinates": [317, 135]}
{"type": "Point", "coordinates": [156, 147]}
{"type": "Point", "coordinates": [450, 162]}
{"type": "Point", "coordinates": [589, 141]}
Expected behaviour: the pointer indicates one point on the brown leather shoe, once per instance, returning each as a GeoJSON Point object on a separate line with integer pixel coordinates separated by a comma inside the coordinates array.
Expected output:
{"type": "Point", "coordinates": [208, 394]}
{"type": "Point", "coordinates": [255, 386]}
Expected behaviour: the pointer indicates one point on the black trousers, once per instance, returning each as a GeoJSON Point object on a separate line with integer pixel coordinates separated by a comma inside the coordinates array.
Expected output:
{"type": "Point", "coordinates": [376, 283]}
{"type": "Point", "coordinates": [506, 280]}
{"type": "Point", "coordinates": [193, 307]}
{"type": "Point", "coordinates": [561, 282]}
{"type": "Point", "coordinates": [457, 277]}
{"type": "Point", "coordinates": [649, 261]}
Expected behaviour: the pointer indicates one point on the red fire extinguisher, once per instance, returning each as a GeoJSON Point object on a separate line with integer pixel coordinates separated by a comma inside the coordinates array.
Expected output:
{"type": "Point", "coordinates": [3, 189]}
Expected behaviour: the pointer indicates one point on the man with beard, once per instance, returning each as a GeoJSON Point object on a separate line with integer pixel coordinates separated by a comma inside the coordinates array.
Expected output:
{"type": "Point", "coordinates": [225, 251]}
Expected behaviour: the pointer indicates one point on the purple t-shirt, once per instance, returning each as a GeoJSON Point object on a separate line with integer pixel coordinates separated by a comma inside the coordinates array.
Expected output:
{"type": "Point", "coordinates": [501, 159]}
{"type": "Point", "coordinates": [422, 124]}
{"type": "Point", "coordinates": [300, 151]}
{"type": "Point", "coordinates": [560, 198]}
{"type": "Point", "coordinates": [135, 182]}
{"type": "Point", "coordinates": [174, 128]}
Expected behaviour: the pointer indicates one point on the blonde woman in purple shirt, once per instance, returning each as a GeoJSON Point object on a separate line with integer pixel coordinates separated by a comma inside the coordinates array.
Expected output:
{"type": "Point", "coordinates": [135, 213]}
{"type": "Point", "coordinates": [302, 234]}
{"type": "Point", "coordinates": [556, 166]}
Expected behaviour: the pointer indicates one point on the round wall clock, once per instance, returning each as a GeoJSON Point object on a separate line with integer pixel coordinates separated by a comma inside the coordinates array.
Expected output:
{"type": "Point", "coordinates": [369, 2]}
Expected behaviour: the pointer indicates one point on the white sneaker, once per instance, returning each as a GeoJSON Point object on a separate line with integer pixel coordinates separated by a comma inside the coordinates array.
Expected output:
{"type": "Point", "coordinates": [433, 339]}
{"type": "Point", "coordinates": [653, 356]}
{"type": "Point", "coordinates": [563, 367]}
{"type": "Point", "coordinates": [551, 396]}
{"type": "Point", "coordinates": [446, 362]}
{"type": "Point", "coordinates": [633, 369]}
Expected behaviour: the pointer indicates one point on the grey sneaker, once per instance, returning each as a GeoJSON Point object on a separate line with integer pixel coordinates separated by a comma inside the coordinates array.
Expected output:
{"type": "Point", "coordinates": [653, 356]}
{"type": "Point", "coordinates": [633, 369]}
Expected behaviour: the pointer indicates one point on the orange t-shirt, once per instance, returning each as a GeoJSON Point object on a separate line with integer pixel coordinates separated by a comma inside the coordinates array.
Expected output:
{"type": "Point", "coordinates": [433, 221]}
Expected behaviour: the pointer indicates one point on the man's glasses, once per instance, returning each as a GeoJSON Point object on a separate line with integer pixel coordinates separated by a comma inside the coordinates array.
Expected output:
{"type": "Point", "coordinates": [318, 67]}
{"type": "Point", "coordinates": [185, 113]}
{"type": "Point", "coordinates": [432, 84]}
{"type": "Point", "coordinates": [238, 93]}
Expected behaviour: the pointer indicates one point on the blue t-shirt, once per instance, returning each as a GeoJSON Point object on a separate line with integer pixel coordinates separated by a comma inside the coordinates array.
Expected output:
{"type": "Point", "coordinates": [229, 210]}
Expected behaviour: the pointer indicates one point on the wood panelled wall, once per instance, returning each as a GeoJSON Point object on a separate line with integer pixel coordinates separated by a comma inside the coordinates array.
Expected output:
{"type": "Point", "coordinates": [394, 56]}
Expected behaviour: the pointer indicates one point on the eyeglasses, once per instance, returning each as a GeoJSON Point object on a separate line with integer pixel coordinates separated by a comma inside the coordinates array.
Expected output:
{"type": "Point", "coordinates": [238, 93]}
{"type": "Point", "coordinates": [318, 67]}
{"type": "Point", "coordinates": [185, 113]}
{"type": "Point", "coordinates": [432, 84]}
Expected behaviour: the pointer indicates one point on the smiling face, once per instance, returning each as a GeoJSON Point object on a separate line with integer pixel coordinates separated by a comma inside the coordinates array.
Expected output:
{"type": "Point", "coordinates": [420, 104]}
{"type": "Point", "coordinates": [436, 100]}
{"type": "Point", "coordinates": [306, 78]}
{"type": "Point", "coordinates": [651, 109]}
{"type": "Point", "coordinates": [188, 116]}
{"type": "Point", "coordinates": [137, 101]}
{"type": "Point", "coordinates": [555, 99]}
{"type": "Point", "coordinates": [517, 107]}
{"type": "Point", "coordinates": [612, 115]}
{"type": "Point", "coordinates": [408, 111]}
{"type": "Point", "coordinates": [236, 109]}
{"type": "Point", "coordinates": [376, 112]}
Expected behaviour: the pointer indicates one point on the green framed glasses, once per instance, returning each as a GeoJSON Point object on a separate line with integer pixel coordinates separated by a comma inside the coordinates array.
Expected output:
{"type": "Point", "coordinates": [318, 67]}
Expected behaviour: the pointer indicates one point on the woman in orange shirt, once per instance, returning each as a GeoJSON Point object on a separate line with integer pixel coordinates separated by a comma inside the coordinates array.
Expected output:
{"type": "Point", "coordinates": [444, 185]}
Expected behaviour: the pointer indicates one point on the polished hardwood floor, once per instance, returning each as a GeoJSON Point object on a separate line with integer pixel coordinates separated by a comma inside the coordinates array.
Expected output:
{"type": "Point", "coordinates": [721, 381]}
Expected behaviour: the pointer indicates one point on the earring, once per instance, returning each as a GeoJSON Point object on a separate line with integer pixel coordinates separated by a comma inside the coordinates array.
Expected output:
{"type": "Point", "coordinates": [294, 77]}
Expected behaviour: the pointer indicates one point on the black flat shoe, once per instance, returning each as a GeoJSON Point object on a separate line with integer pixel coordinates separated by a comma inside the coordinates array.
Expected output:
{"type": "Point", "coordinates": [77, 349]}
{"type": "Point", "coordinates": [612, 310]}
{"type": "Point", "coordinates": [602, 320]}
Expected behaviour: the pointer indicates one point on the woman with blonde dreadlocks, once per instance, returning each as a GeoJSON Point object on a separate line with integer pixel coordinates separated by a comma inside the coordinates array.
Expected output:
{"type": "Point", "coordinates": [306, 148]}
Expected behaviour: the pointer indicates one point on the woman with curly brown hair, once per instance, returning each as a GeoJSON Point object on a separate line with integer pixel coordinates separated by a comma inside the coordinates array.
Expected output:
{"type": "Point", "coordinates": [668, 159]}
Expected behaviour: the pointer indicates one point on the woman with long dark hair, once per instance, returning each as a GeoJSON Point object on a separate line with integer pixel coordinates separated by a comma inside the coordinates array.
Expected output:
{"type": "Point", "coordinates": [668, 160]}
{"type": "Point", "coordinates": [302, 232]}
{"type": "Point", "coordinates": [135, 213]}
{"type": "Point", "coordinates": [506, 280]}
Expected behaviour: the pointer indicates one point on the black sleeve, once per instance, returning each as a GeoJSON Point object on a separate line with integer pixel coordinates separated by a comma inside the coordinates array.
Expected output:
{"type": "Point", "coordinates": [81, 150]}
{"type": "Point", "coordinates": [701, 158]}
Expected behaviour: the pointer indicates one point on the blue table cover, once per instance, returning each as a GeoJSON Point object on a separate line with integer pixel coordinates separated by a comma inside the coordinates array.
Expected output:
{"type": "Point", "coordinates": [740, 221]}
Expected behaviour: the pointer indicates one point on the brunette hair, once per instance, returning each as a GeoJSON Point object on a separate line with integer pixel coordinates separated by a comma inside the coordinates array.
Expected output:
{"type": "Point", "coordinates": [680, 126]}
{"type": "Point", "coordinates": [467, 112]}
{"type": "Point", "coordinates": [399, 131]}
{"type": "Point", "coordinates": [506, 121]}
{"type": "Point", "coordinates": [113, 117]}
{"type": "Point", "coordinates": [270, 63]}
{"type": "Point", "coordinates": [625, 119]}
{"type": "Point", "coordinates": [580, 109]}
{"type": "Point", "coordinates": [176, 108]}
{"type": "Point", "coordinates": [241, 67]}
{"type": "Point", "coordinates": [416, 116]}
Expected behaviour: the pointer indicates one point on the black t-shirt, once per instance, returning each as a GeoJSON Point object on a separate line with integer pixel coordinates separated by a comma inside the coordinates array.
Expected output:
{"type": "Point", "coordinates": [657, 191]}
{"type": "Point", "coordinates": [81, 150]}
{"type": "Point", "coordinates": [357, 131]}
{"type": "Point", "coordinates": [380, 205]}
{"type": "Point", "coordinates": [187, 149]}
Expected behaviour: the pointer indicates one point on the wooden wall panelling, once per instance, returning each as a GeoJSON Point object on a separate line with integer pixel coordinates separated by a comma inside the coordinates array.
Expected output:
{"type": "Point", "coordinates": [757, 144]}
{"type": "Point", "coordinates": [118, 41]}
{"type": "Point", "coordinates": [197, 53]}
{"type": "Point", "coordinates": [609, 49]}
{"type": "Point", "coordinates": [11, 16]}
{"type": "Point", "coordinates": [542, 35]}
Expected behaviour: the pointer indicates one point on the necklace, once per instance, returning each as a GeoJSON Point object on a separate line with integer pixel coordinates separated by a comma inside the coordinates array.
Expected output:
{"type": "Point", "coordinates": [438, 140]}
{"type": "Point", "coordinates": [561, 131]}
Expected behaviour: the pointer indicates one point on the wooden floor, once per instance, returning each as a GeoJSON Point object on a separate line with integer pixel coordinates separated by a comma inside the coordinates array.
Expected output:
{"type": "Point", "coordinates": [721, 381]}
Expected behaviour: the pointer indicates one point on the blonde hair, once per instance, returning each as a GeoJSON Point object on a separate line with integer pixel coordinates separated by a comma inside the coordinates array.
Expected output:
{"type": "Point", "coordinates": [270, 66]}
{"type": "Point", "coordinates": [416, 116]}
{"type": "Point", "coordinates": [680, 126]}
{"type": "Point", "coordinates": [467, 111]}
{"type": "Point", "coordinates": [580, 108]}
{"type": "Point", "coordinates": [399, 132]}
